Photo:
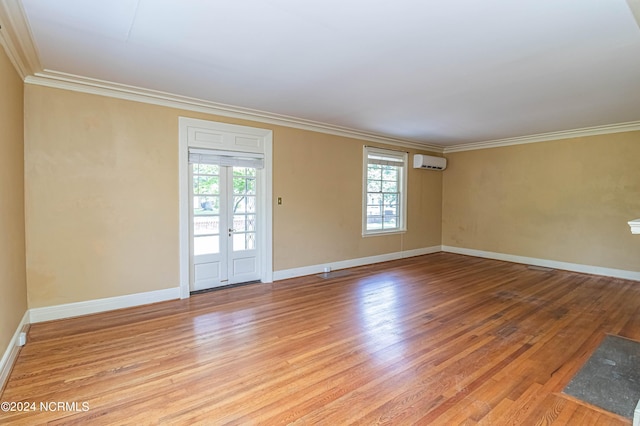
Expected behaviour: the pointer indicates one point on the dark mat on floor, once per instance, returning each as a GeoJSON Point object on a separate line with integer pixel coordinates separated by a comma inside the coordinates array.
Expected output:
{"type": "Point", "coordinates": [611, 377]}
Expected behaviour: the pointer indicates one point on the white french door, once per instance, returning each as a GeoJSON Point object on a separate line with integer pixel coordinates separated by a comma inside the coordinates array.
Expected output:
{"type": "Point", "coordinates": [213, 202]}
{"type": "Point", "coordinates": [223, 222]}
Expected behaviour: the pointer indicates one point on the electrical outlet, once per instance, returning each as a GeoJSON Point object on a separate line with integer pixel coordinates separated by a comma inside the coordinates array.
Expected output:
{"type": "Point", "coordinates": [22, 339]}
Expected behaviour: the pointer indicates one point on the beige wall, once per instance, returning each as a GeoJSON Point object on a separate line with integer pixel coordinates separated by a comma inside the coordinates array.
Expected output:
{"type": "Point", "coordinates": [101, 191]}
{"type": "Point", "coordinates": [319, 178]}
{"type": "Point", "coordinates": [102, 198]}
{"type": "Point", "coordinates": [13, 288]}
{"type": "Point", "coordinates": [566, 200]}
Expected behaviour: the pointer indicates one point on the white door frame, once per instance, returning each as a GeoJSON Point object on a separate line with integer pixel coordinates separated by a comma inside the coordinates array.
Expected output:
{"type": "Point", "coordinates": [205, 134]}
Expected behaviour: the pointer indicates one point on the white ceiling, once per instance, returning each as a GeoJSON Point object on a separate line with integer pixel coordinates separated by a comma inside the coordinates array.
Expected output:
{"type": "Point", "coordinates": [442, 72]}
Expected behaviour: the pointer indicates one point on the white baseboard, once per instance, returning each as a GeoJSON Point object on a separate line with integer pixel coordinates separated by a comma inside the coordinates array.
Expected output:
{"type": "Point", "coordinates": [575, 267]}
{"type": "Point", "coordinates": [11, 354]}
{"type": "Point", "coordinates": [318, 269]}
{"type": "Point", "coordinates": [69, 310]}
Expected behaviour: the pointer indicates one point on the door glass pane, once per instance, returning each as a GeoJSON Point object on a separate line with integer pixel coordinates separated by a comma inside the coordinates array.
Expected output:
{"type": "Point", "coordinates": [244, 241]}
{"type": "Point", "coordinates": [239, 223]}
{"type": "Point", "coordinates": [244, 204]}
{"type": "Point", "coordinates": [206, 185]}
{"type": "Point", "coordinates": [244, 171]}
{"type": "Point", "coordinates": [239, 185]}
{"type": "Point", "coordinates": [206, 169]}
{"type": "Point", "coordinates": [206, 209]}
{"type": "Point", "coordinates": [251, 240]}
{"type": "Point", "coordinates": [251, 222]}
{"type": "Point", "coordinates": [206, 189]}
{"type": "Point", "coordinates": [239, 242]}
{"type": "Point", "coordinates": [251, 204]}
{"type": "Point", "coordinates": [244, 208]}
{"type": "Point", "coordinates": [206, 245]}
{"type": "Point", "coordinates": [239, 204]}
{"type": "Point", "coordinates": [208, 205]}
{"type": "Point", "coordinates": [206, 225]}
{"type": "Point", "coordinates": [251, 186]}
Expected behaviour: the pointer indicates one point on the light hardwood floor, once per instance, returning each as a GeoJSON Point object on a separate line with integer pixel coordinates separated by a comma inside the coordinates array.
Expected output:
{"type": "Point", "coordinates": [437, 339]}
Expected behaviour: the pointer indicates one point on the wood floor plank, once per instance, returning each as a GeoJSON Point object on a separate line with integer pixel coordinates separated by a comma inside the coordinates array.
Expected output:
{"type": "Point", "coordinates": [436, 339]}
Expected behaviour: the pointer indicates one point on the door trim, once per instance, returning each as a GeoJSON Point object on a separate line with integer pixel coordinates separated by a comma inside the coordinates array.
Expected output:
{"type": "Point", "coordinates": [206, 134]}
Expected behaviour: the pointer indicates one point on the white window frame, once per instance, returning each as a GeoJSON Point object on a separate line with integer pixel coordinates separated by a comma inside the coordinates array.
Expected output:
{"type": "Point", "coordinates": [393, 156]}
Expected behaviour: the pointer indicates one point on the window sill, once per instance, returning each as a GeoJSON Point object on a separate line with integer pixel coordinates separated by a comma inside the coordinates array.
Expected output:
{"type": "Point", "coordinates": [381, 233]}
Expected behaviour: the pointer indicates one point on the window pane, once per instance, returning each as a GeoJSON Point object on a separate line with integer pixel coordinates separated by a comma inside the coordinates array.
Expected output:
{"type": "Point", "coordinates": [390, 173]}
{"type": "Point", "coordinates": [390, 199]}
{"type": "Point", "coordinates": [389, 186]}
{"type": "Point", "coordinates": [374, 186]}
{"type": "Point", "coordinates": [374, 199]}
{"type": "Point", "coordinates": [206, 245]}
{"type": "Point", "coordinates": [374, 171]}
{"type": "Point", "coordinates": [390, 222]}
{"type": "Point", "coordinates": [385, 188]}
{"type": "Point", "coordinates": [374, 222]}
{"type": "Point", "coordinates": [390, 211]}
{"type": "Point", "coordinates": [374, 210]}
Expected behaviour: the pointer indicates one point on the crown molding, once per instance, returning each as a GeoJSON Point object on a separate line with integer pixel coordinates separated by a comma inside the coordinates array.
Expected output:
{"type": "Point", "coordinates": [16, 38]}
{"type": "Point", "coordinates": [76, 83]}
{"type": "Point", "coordinates": [545, 137]}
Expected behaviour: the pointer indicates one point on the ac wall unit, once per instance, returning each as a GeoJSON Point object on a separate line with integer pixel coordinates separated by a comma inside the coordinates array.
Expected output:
{"type": "Point", "coordinates": [429, 162]}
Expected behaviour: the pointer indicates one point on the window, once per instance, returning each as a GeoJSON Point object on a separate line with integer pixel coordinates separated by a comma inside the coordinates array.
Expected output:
{"type": "Point", "coordinates": [384, 193]}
